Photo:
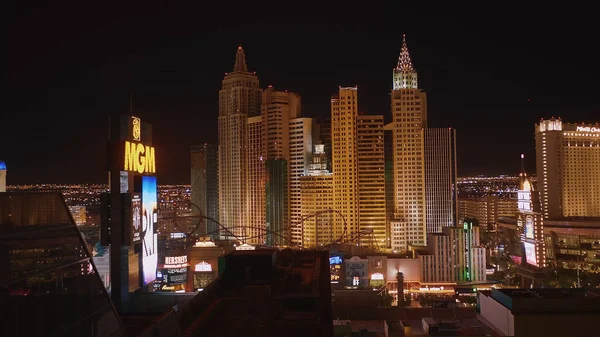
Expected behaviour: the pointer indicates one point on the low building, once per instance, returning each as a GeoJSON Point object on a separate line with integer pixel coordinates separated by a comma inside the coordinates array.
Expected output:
{"type": "Point", "coordinates": [542, 312]}
{"type": "Point", "coordinates": [263, 293]}
{"type": "Point", "coordinates": [455, 255]}
{"type": "Point", "coordinates": [203, 260]}
{"type": "Point", "coordinates": [357, 272]}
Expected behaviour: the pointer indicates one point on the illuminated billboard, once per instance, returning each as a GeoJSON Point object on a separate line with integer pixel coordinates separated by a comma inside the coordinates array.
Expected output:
{"type": "Point", "coordinates": [529, 227]}
{"type": "Point", "coordinates": [136, 217]}
{"type": "Point", "coordinates": [173, 276]}
{"type": "Point", "coordinates": [530, 256]}
{"type": "Point", "coordinates": [149, 224]}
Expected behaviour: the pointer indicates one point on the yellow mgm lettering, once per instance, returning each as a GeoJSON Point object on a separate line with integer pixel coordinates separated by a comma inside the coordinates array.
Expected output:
{"type": "Point", "coordinates": [139, 158]}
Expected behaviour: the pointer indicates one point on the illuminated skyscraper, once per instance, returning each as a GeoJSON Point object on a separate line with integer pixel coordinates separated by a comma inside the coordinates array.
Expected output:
{"type": "Point", "coordinates": [301, 136]}
{"type": "Point", "coordinates": [344, 113]}
{"type": "Point", "coordinates": [530, 224]}
{"type": "Point", "coordinates": [205, 186]}
{"type": "Point", "coordinates": [568, 168]}
{"type": "Point", "coordinates": [255, 184]}
{"type": "Point", "coordinates": [409, 117]}
{"type": "Point", "coordinates": [2, 176]}
{"type": "Point", "coordinates": [440, 178]}
{"type": "Point", "coordinates": [317, 202]}
{"type": "Point", "coordinates": [239, 99]}
{"type": "Point", "coordinates": [278, 111]}
{"type": "Point", "coordinates": [371, 177]}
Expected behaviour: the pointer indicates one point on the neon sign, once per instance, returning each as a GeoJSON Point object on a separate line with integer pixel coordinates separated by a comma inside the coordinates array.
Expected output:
{"type": "Point", "coordinates": [139, 158]}
{"type": "Point", "coordinates": [588, 129]}
{"type": "Point", "coordinates": [203, 266]}
{"type": "Point", "coordinates": [136, 128]}
{"type": "Point", "coordinates": [427, 288]}
{"type": "Point", "coordinates": [377, 276]}
{"type": "Point", "coordinates": [335, 260]}
{"type": "Point", "coordinates": [176, 259]}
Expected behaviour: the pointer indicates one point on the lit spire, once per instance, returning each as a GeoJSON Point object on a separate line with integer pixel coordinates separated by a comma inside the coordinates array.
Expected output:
{"type": "Point", "coordinates": [240, 61]}
{"type": "Point", "coordinates": [404, 62]}
{"type": "Point", "coordinates": [404, 75]}
{"type": "Point", "coordinates": [524, 182]}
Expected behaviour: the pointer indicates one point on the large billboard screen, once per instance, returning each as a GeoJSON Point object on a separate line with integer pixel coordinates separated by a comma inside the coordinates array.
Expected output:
{"type": "Point", "coordinates": [530, 253]}
{"type": "Point", "coordinates": [529, 227]}
{"type": "Point", "coordinates": [149, 224]}
{"type": "Point", "coordinates": [136, 217]}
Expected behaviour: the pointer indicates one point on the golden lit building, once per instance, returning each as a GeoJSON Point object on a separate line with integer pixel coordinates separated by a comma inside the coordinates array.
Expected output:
{"type": "Point", "coordinates": [239, 98]}
{"type": "Point", "coordinates": [371, 177]}
{"type": "Point", "coordinates": [409, 118]}
{"type": "Point", "coordinates": [255, 184]}
{"type": "Point", "coordinates": [277, 109]}
{"type": "Point", "coordinates": [300, 140]}
{"type": "Point", "coordinates": [316, 202]}
{"type": "Point", "coordinates": [568, 168]}
{"type": "Point", "coordinates": [344, 112]}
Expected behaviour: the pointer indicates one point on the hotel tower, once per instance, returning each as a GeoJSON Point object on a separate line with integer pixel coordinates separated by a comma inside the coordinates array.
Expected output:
{"type": "Point", "coordinates": [568, 169]}
{"type": "Point", "coordinates": [239, 99]}
{"type": "Point", "coordinates": [409, 118]}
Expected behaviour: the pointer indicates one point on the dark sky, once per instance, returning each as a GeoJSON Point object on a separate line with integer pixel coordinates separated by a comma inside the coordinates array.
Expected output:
{"type": "Point", "coordinates": [489, 71]}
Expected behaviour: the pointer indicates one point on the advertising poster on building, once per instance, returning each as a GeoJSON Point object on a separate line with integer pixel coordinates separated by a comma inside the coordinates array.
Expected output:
{"type": "Point", "coordinates": [530, 255]}
{"type": "Point", "coordinates": [148, 234]}
{"type": "Point", "coordinates": [174, 276]}
{"type": "Point", "coordinates": [136, 217]}
{"type": "Point", "coordinates": [529, 227]}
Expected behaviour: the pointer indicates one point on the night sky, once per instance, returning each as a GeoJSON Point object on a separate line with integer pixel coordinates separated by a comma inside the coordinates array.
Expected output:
{"type": "Point", "coordinates": [491, 73]}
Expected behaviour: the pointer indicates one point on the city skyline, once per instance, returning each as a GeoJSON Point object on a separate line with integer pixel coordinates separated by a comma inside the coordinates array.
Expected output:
{"type": "Point", "coordinates": [496, 91]}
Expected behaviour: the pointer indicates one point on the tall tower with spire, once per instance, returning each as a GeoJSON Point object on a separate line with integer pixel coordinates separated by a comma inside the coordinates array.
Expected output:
{"type": "Point", "coordinates": [239, 100]}
{"type": "Point", "coordinates": [404, 75]}
{"type": "Point", "coordinates": [530, 223]}
{"type": "Point", "coordinates": [409, 119]}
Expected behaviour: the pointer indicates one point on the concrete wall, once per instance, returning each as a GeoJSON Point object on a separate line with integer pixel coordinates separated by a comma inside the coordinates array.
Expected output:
{"type": "Point", "coordinates": [497, 314]}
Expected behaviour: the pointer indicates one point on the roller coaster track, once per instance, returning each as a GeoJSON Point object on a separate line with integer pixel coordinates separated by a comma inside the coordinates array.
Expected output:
{"type": "Point", "coordinates": [229, 230]}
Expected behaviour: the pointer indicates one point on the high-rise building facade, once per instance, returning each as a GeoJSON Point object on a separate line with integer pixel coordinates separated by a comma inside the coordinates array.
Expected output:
{"type": "Point", "coordinates": [317, 202]}
{"type": "Point", "coordinates": [300, 145]}
{"type": "Point", "coordinates": [530, 223]}
{"type": "Point", "coordinates": [277, 109]}
{"type": "Point", "coordinates": [440, 178]}
{"type": "Point", "coordinates": [344, 113]}
{"type": "Point", "coordinates": [568, 168]}
{"type": "Point", "coordinates": [205, 186]}
{"type": "Point", "coordinates": [287, 142]}
{"type": "Point", "coordinates": [371, 177]}
{"type": "Point", "coordinates": [409, 118]}
{"type": "Point", "coordinates": [276, 203]}
{"type": "Point", "coordinates": [388, 148]}
{"type": "Point", "coordinates": [322, 134]}
{"type": "Point", "coordinates": [239, 98]}
{"type": "Point", "coordinates": [256, 183]}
